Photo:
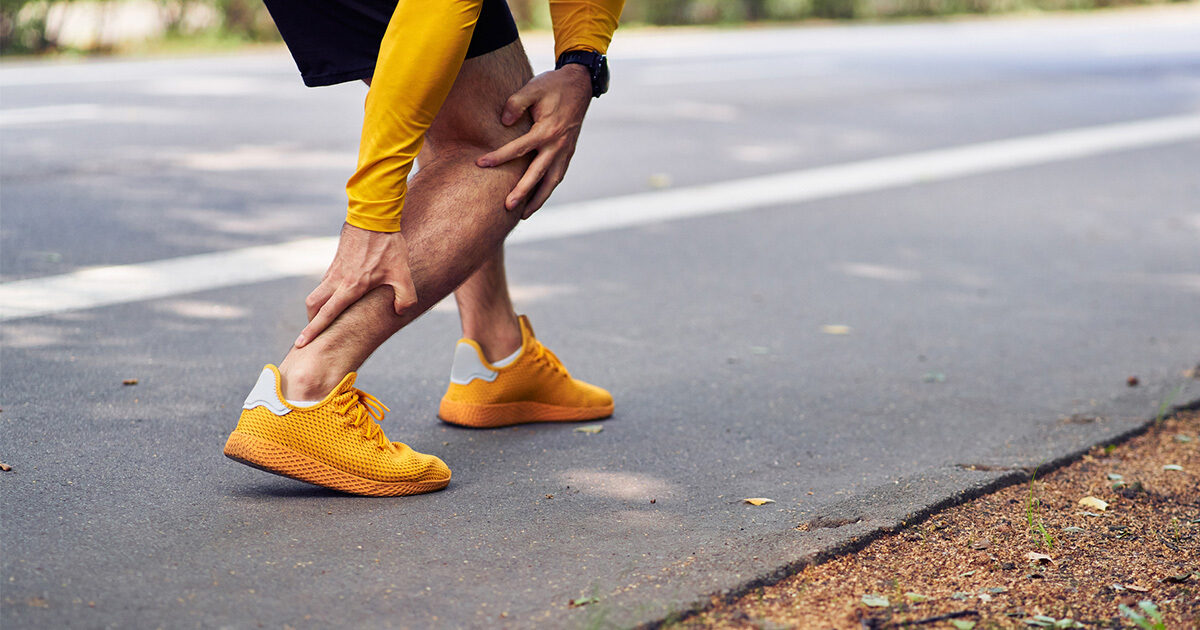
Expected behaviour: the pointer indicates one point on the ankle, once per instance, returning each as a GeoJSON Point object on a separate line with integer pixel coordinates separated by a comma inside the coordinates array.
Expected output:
{"type": "Point", "coordinates": [498, 336]}
{"type": "Point", "coordinates": [301, 381]}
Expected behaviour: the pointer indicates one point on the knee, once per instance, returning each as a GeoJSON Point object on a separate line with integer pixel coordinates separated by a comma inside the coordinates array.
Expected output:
{"type": "Point", "coordinates": [466, 144]}
{"type": "Point", "coordinates": [479, 131]}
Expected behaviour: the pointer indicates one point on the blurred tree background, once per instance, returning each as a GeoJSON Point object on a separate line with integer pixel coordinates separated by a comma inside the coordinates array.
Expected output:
{"type": "Point", "coordinates": [97, 26]}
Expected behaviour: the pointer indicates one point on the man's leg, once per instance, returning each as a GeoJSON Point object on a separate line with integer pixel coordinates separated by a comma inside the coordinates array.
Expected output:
{"type": "Point", "coordinates": [454, 221]}
{"type": "Point", "coordinates": [486, 310]}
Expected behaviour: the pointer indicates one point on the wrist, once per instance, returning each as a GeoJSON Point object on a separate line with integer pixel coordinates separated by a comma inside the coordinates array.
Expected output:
{"type": "Point", "coordinates": [578, 76]}
{"type": "Point", "coordinates": [593, 63]}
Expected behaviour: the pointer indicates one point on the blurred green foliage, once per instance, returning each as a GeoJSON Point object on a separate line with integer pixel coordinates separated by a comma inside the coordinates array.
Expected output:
{"type": "Point", "coordinates": [28, 27]}
{"type": "Point", "coordinates": [684, 12]}
{"type": "Point", "coordinates": [27, 34]}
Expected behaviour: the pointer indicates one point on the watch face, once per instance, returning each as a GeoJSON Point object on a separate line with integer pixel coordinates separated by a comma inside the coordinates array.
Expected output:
{"type": "Point", "coordinates": [600, 76]}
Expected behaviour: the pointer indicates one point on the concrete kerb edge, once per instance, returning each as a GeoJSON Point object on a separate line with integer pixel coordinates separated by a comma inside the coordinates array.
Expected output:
{"type": "Point", "coordinates": [856, 540]}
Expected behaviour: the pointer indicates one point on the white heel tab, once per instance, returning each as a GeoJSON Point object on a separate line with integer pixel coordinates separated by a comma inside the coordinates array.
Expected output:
{"type": "Point", "coordinates": [266, 394]}
{"type": "Point", "coordinates": [468, 365]}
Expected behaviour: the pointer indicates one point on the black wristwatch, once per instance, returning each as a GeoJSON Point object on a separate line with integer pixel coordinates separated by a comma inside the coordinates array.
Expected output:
{"type": "Point", "coordinates": [596, 64]}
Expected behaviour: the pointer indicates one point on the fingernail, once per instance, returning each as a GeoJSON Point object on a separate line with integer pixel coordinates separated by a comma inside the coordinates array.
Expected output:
{"type": "Point", "coordinates": [484, 163]}
{"type": "Point", "coordinates": [300, 341]}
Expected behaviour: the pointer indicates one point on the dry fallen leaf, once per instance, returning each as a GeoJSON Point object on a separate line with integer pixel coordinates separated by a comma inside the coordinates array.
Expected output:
{"type": "Point", "coordinates": [1137, 588]}
{"type": "Point", "coordinates": [980, 545]}
{"type": "Point", "coordinates": [875, 601]}
{"type": "Point", "coordinates": [759, 501]}
{"type": "Point", "coordinates": [1034, 556]}
{"type": "Point", "coordinates": [591, 428]}
{"type": "Point", "coordinates": [1092, 502]}
{"type": "Point", "coordinates": [835, 329]}
{"type": "Point", "coordinates": [5, 467]}
{"type": "Point", "coordinates": [129, 381]}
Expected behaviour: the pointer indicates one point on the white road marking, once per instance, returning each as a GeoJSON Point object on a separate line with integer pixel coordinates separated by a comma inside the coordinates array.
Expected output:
{"type": "Point", "coordinates": [48, 114]}
{"type": "Point", "coordinates": [277, 157]}
{"type": "Point", "coordinates": [88, 112]}
{"type": "Point", "coordinates": [103, 286]}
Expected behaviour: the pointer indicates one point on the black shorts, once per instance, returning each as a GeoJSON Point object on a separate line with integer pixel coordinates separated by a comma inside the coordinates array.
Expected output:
{"type": "Point", "coordinates": [334, 41]}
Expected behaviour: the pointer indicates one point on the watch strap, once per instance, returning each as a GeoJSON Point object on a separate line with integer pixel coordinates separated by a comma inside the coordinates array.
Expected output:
{"type": "Point", "coordinates": [596, 63]}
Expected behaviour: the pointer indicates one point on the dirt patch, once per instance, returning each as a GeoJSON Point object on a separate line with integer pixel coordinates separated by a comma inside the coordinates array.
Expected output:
{"type": "Point", "coordinates": [1027, 556]}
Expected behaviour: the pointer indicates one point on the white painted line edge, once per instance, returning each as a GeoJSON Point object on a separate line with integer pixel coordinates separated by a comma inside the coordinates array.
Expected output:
{"type": "Point", "coordinates": [104, 286]}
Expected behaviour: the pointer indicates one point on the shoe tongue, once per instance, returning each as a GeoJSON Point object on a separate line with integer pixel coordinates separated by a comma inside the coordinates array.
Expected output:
{"type": "Point", "coordinates": [526, 328]}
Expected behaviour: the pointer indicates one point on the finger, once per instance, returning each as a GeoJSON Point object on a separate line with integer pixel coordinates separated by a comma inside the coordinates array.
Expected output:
{"type": "Point", "coordinates": [513, 149]}
{"type": "Point", "coordinates": [318, 297]}
{"type": "Point", "coordinates": [516, 105]}
{"type": "Point", "coordinates": [551, 181]}
{"type": "Point", "coordinates": [533, 175]}
{"type": "Point", "coordinates": [404, 295]}
{"type": "Point", "coordinates": [333, 307]}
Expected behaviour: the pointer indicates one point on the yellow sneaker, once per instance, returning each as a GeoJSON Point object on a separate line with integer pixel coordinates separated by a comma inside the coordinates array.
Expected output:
{"type": "Point", "coordinates": [334, 443]}
{"type": "Point", "coordinates": [532, 386]}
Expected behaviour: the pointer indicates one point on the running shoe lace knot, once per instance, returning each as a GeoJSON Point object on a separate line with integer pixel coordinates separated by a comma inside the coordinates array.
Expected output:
{"type": "Point", "coordinates": [364, 411]}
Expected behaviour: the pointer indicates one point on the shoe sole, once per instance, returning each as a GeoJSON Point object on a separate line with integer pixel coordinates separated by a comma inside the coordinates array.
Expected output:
{"type": "Point", "coordinates": [280, 460]}
{"type": "Point", "coordinates": [509, 414]}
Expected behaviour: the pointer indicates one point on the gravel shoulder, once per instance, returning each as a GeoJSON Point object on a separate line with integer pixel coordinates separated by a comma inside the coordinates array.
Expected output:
{"type": "Point", "coordinates": [1040, 554]}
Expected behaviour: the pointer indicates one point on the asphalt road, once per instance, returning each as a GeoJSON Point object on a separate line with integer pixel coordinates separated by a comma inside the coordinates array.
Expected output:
{"type": "Point", "coordinates": [993, 320]}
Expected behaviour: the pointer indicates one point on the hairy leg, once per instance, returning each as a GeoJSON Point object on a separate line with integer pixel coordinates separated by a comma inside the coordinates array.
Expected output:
{"type": "Point", "coordinates": [486, 310]}
{"type": "Point", "coordinates": [454, 221]}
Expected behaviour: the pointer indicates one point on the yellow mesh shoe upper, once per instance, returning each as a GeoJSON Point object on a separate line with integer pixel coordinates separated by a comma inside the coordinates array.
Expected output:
{"type": "Point", "coordinates": [340, 431]}
{"type": "Point", "coordinates": [535, 376]}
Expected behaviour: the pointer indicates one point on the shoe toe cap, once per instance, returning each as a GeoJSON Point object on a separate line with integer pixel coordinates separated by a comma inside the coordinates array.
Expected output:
{"type": "Point", "coordinates": [418, 467]}
{"type": "Point", "coordinates": [437, 470]}
{"type": "Point", "coordinates": [594, 396]}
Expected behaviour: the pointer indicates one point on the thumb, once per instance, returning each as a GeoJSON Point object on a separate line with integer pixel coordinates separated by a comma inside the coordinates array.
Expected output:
{"type": "Point", "coordinates": [404, 296]}
{"type": "Point", "coordinates": [516, 105]}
